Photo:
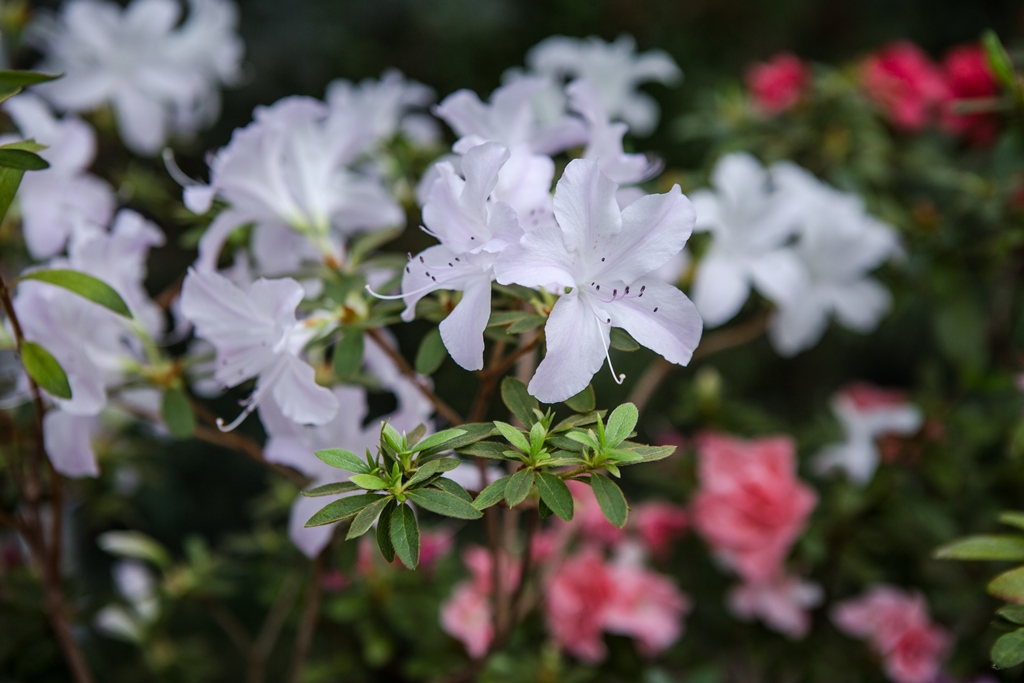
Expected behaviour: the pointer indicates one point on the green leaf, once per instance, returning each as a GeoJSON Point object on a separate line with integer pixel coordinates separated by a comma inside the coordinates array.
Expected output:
{"type": "Point", "coordinates": [609, 497]}
{"type": "Point", "coordinates": [513, 436]}
{"type": "Point", "coordinates": [492, 494]}
{"type": "Point", "coordinates": [177, 413]}
{"type": "Point", "coordinates": [331, 489]}
{"type": "Point", "coordinates": [369, 482]}
{"type": "Point", "coordinates": [1008, 650]}
{"type": "Point", "coordinates": [430, 469]}
{"type": "Point", "coordinates": [518, 400]}
{"type": "Point", "coordinates": [431, 353]}
{"type": "Point", "coordinates": [405, 536]}
{"type": "Point", "coordinates": [621, 340]}
{"type": "Point", "coordinates": [1009, 586]}
{"type": "Point", "coordinates": [646, 453]}
{"type": "Point", "coordinates": [555, 494]}
{"type": "Point", "coordinates": [45, 370]}
{"type": "Point", "coordinates": [10, 179]}
{"type": "Point", "coordinates": [85, 286]}
{"type": "Point", "coordinates": [22, 159]}
{"type": "Point", "coordinates": [136, 545]}
{"type": "Point", "coordinates": [452, 487]}
{"type": "Point", "coordinates": [387, 550]}
{"type": "Point", "coordinates": [582, 402]}
{"type": "Point", "coordinates": [439, 440]}
{"type": "Point", "coordinates": [620, 425]}
{"type": "Point", "coordinates": [518, 487]}
{"type": "Point", "coordinates": [576, 421]}
{"type": "Point", "coordinates": [20, 79]}
{"type": "Point", "coordinates": [584, 438]}
{"type": "Point", "coordinates": [486, 449]}
{"type": "Point", "coordinates": [474, 431]}
{"type": "Point", "coordinates": [348, 354]}
{"type": "Point", "coordinates": [444, 503]}
{"type": "Point", "coordinates": [502, 318]}
{"type": "Point", "coordinates": [371, 241]}
{"type": "Point", "coordinates": [998, 59]}
{"type": "Point", "coordinates": [343, 460]}
{"type": "Point", "coordinates": [622, 456]}
{"type": "Point", "coordinates": [543, 510]}
{"type": "Point", "coordinates": [987, 547]}
{"type": "Point", "coordinates": [365, 519]}
{"type": "Point", "coordinates": [526, 323]}
{"type": "Point", "coordinates": [1012, 518]}
{"type": "Point", "coordinates": [342, 509]}
{"type": "Point", "coordinates": [537, 436]}
{"type": "Point", "coordinates": [25, 145]}
{"type": "Point", "coordinates": [1012, 613]}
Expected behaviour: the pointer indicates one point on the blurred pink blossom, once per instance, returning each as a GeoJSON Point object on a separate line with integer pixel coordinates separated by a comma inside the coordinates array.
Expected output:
{"type": "Point", "coordinates": [902, 80]}
{"type": "Point", "coordinates": [588, 518]}
{"type": "Point", "coordinates": [897, 626]}
{"type": "Point", "coordinates": [782, 603]}
{"type": "Point", "coordinates": [968, 77]}
{"type": "Point", "coordinates": [646, 606]}
{"type": "Point", "coordinates": [659, 524]}
{"type": "Point", "coordinates": [776, 85]}
{"type": "Point", "coordinates": [750, 506]}
{"type": "Point", "coordinates": [434, 545]}
{"type": "Point", "coordinates": [466, 616]}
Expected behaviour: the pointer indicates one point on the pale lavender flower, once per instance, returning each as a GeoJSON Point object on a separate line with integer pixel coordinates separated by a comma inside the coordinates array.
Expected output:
{"type": "Point", "coordinates": [257, 335]}
{"type": "Point", "coordinates": [290, 171]}
{"type": "Point", "coordinates": [750, 223]}
{"type": "Point", "coordinates": [391, 105]}
{"type": "Point", "coordinates": [160, 77]}
{"type": "Point", "coordinates": [614, 68]}
{"type": "Point", "coordinates": [56, 201]}
{"type": "Point", "coordinates": [599, 259]}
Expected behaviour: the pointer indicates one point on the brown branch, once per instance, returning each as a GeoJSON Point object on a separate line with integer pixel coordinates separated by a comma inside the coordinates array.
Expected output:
{"type": "Point", "coordinates": [442, 408]}
{"type": "Point", "coordinates": [307, 623]}
{"type": "Point", "coordinates": [488, 383]}
{"type": "Point", "coordinates": [644, 389]}
{"type": "Point", "coordinates": [271, 629]}
{"type": "Point", "coordinates": [234, 629]}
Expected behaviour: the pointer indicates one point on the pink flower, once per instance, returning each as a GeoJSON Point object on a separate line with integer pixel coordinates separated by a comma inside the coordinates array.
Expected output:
{"type": "Point", "coordinates": [868, 397]}
{"type": "Point", "coordinates": [902, 80]}
{"type": "Point", "coordinates": [781, 603]}
{"type": "Point", "coordinates": [334, 581]}
{"type": "Point", "coordinates": [968, 77]}
{"type": "Point", "coordinates": [776, 85]}
{"type": "Point", "coordinates": [434, 545]}
{"type": "Point", "coordinates": [578, 594]}
{"type": "Point", "coordinates": [646, 606]}
{"type": "Point", "coordinates": [466, 616]}
{"type": "Point", "coordinates": [659, 524]}
{"type": "Point", "coordinates": [587, 596]}
{"type": "Point", "coordinates": [750, 507]}
{"type": "Point", "coordinates": [897, 625]}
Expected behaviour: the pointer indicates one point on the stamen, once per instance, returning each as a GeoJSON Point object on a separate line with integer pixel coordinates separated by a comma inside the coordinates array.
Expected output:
{"type": "Point", "coordinates": [175, 171]}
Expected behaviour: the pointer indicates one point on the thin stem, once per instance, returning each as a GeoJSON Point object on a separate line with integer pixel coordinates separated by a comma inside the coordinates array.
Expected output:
{"type": "Point", "coordinates": [442, 408]}
{"type": "Point", "coordinates": [271, 629]}
{"type": "Point", "coordinates": [230, 625]}
{"type": "Point", "coordinates": [307, 623]}
{"type": "Point", "coordinates": [526, 565]}
{"type": "Point", "coordinates": [488, 383]}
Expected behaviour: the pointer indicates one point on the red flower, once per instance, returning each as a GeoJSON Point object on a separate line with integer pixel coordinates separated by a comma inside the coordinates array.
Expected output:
{"type": "Point", "coordinates": [968, 77]}
{"type": "Point", "coordinates": [776, 85]}
{"type": "Point", "coordinates": [906, 84]}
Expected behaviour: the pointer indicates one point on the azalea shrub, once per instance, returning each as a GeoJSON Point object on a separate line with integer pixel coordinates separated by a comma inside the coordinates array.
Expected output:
{"type": "Point", "coordinates": [488, 386]}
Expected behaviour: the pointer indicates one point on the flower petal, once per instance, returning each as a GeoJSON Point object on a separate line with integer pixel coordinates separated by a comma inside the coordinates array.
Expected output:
{"type": "Point", "coordinates": [576, 345]}
{"type": "Point", "coordinates": [539, 260]}
{"type": "Point", "coordinates": [585, 205]}
{"type": "Point", "coordinates": [860, 305]}
{"type": "Point", "coordinates": [463, 330]}
{"type": "Point", "coordinates": [719, 289]}
{"type": "Point", "coordinates": [298, 395]}
{"type": "Point", "coordinates": [663, 319]}
{"type": "Point", "coordinates": [68, 441]}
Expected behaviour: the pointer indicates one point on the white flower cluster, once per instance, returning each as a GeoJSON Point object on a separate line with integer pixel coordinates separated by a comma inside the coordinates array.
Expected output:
{"type": "Point", "coordinates": [160, 75]}
{"type": "Point", "coordinates": [804, 245]}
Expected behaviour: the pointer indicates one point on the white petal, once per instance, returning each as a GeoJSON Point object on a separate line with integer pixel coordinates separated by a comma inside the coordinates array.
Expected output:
{"type": "Point", "coordinates": [480, 167]}
{"type": "Point", "coordinates": [858, 458]}
{"type": "Point", "coordinates": [68, 440]}
{"type": "Point", "coordinates": [585, 205]}
{"type": "Point", "coordinates": [314, 539]}
{"type": "Point", "coordinates": [539, 260]}
{"type": "Point", "coordinates": [860, 305]}
{"type": "Point", "coordinates": [298, 395]}
{"type": "Point", "coordinates": [141, 121]}
{"type": "Point", "coordinates": [720, 288]}
{"type": "Point", "coordinates": [663, 319]}
{"type": "Point", "coordinates": [433, 269]}
{"type": "Point", "coordinates": [217, 233]}
{"type": "Point", "coordinates": [799, 325]}
{"type": "Point", "coordinates": [463, 330]}
{"type": "Point", "coordinates": [779, 275]}
{"type": "Point", "coordinates": [576, 346]}
{"type": "Point", "coordinates": [654, 229]}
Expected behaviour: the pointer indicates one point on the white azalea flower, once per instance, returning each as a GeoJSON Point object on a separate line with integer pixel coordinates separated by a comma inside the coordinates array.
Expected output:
{"type": "Point", "coordinates": [390, 106]}
{"type": "Point", "coordinates": [472, 229]}
{"type": "Point", "coordinates": [256, 335]}
{"type": "Point", "coordinates": [750, 222]}
{"type": "Point", "coordinates": [600, 260]}
{"type": "Point", "coordinates": [614, 68]}
{"type": "Point", "coordinates": [130, 622]}
{"type": "Point", "coordinates": [839, 244]}
{"type": "Point", "coordinates": [866, 412]}
{"type": "Point", "coordinates": [159, 76]}
{"type": "Point", "coordinates": [605, 143]}
{"type": "Point", "coordinates": [290, 171]}
{"type": "Point", "coordinates": [58, 200]}
{"type": "Point", "coordinates": [509, 118]}
{"type": "Point", "coordinates": [294, 445]}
